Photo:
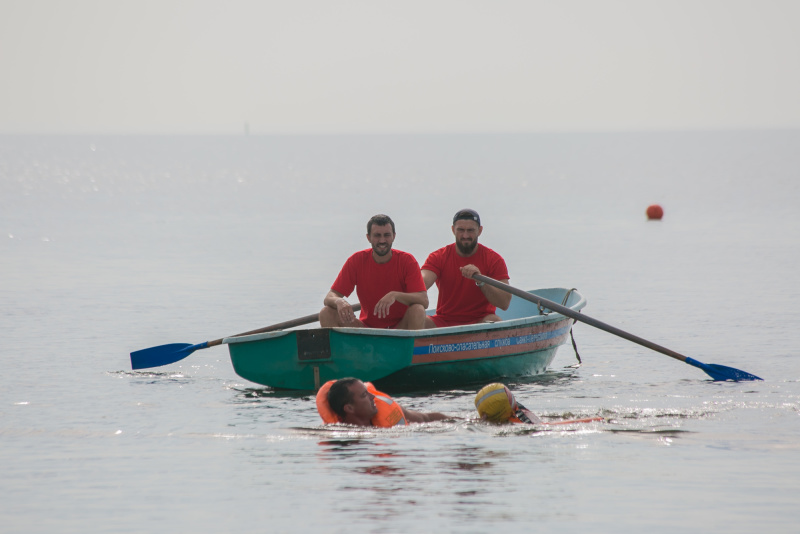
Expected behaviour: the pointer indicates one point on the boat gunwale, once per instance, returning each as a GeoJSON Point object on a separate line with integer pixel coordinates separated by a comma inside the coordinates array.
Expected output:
{"type": "Point", "coordinates": [428, 332]}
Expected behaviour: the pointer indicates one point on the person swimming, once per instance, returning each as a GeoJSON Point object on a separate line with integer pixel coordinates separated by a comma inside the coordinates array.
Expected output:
{"type": "Point", "coordinates": [496, 404]}
{"type": "Point", "coordinates": [351, 401]}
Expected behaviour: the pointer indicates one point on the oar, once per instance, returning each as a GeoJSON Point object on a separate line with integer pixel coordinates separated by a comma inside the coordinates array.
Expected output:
{"type": "Point", "coordinates": [717, 372]}
{"type": "Point", "coordinates": [173, 352]}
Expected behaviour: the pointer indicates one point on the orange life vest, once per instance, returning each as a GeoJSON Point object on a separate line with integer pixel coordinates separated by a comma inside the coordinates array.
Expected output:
{"type": "Point", "coordinates": [389, 412]}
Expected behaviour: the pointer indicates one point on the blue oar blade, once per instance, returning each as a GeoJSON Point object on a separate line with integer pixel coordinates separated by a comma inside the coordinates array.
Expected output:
{"type": "Point", "coordinates": [162, 355]}
{"type": "Point", "coordinates": [732, 373]}
{"type": "Point", "coordinates": [722, 372]}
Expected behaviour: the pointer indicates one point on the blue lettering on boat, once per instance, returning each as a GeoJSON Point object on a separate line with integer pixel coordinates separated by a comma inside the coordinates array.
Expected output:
{"type": "Point", "coordinates": [488, 344]}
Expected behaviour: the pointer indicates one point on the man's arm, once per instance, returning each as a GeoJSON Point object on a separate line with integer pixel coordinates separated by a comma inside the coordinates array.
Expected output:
{"type": "Point", "coordinates": [336, 300]}
{"type": "Point", "coordinates": [383, 305]}
{"type": "Point", "coordinates": [423, 417]}
{"type": "Point", "coordinates": [497, 297]}
{"type": "Point", "coordinates": [429, 277]}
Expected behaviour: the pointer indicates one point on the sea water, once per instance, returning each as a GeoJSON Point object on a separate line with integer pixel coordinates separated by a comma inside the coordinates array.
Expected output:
{"type": "Point", "coordinates": [115, 244]}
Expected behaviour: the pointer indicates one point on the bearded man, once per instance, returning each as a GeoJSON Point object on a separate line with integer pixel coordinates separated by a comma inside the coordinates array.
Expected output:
{"type": "Point", "coordinates": [462, 300]}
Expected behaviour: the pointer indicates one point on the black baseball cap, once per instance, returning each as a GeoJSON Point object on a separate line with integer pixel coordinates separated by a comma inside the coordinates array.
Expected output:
{"type": "Point", "coordinates": [467, 215]}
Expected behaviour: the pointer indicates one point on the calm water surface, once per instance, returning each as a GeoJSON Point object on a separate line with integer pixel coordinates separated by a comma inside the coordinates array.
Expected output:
{"type": "Point", "coordinates": [113, 244]}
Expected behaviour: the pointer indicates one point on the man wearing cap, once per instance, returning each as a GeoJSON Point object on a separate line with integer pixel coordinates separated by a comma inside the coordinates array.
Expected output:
{"type": "Point", "coordinates": [388, 283]}
{"type": "Point", "coordinates": [462, 300]}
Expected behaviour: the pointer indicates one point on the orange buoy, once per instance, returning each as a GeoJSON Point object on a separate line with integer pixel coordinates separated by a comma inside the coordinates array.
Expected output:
{"type": "Point", "coordinates": [655, 212]}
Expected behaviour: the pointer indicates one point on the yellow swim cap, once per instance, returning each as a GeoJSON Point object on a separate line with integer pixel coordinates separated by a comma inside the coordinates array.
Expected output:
{"type": "Point", "coordinates": [495, 403]}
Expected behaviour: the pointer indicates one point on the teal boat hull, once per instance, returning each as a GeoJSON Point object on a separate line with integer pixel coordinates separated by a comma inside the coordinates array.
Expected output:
{"type": "Point", "coordinates": [522, 345]}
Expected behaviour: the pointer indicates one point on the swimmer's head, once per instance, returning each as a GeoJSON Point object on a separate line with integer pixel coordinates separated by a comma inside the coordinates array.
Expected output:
{"type": "Point", "coordinates": [495, 403]}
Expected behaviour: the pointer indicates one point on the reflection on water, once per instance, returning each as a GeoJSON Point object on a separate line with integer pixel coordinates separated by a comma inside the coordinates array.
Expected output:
{"type": "Point", "coordinates": [394, 477]}
{"type": "Point", "coordinates": [169, 375]}
{"type": "Point", "coordinates": [671, 433]}
{"type": "Point", "coordinates": [269, 393]}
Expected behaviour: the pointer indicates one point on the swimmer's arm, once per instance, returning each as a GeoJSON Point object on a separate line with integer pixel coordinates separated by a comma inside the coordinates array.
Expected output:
{"type": "Point", "coordinates": [424, 417]}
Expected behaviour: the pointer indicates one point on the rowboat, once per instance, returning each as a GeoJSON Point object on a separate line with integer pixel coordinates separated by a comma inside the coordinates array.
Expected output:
{"type": "Point", "coordinates": [523, 344]}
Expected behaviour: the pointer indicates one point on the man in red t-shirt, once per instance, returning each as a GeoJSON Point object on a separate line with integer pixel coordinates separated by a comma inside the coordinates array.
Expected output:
{"type": "Point", "coordinates": [388, 283]}
{"type": "Point", "coordinates": [461, 299]}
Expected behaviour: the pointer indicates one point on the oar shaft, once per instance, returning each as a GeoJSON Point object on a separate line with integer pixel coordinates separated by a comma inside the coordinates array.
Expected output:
{"type": "Point", "coordinates": [563, 310]}
{"type": "Point", "coordinates": [174, 352]}
{"type": "Point", "coordinates": [300, 321]}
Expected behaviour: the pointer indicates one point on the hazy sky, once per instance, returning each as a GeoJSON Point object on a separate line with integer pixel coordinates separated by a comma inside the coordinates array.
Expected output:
{"type": "Point", "coordinates": [318, 66]}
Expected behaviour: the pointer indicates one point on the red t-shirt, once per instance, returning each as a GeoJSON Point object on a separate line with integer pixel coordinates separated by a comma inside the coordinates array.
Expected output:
{"type": "Point", "coordinates": [374, 280]}
{"type": "Point", "coordinates": [460, 300]}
